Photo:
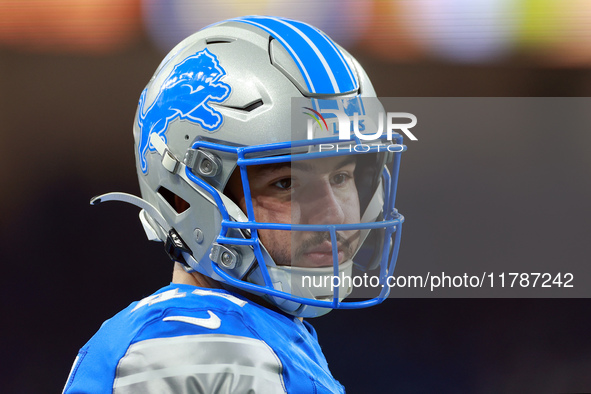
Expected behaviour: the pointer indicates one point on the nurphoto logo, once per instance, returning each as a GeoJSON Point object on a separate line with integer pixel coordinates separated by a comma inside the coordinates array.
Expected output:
{"type": "Point", "coordinates": [358, 126]}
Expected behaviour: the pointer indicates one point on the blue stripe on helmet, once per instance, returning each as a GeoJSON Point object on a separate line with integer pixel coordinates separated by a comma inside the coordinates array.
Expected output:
{"type": "Point", "coordinates": [322, 65]}
{"type": "Point", "coordinates": [340, 68]}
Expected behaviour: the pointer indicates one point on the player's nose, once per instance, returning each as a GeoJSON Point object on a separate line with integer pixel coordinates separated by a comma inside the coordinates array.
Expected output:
{"type": "Point", "coordinates": [320, 205]}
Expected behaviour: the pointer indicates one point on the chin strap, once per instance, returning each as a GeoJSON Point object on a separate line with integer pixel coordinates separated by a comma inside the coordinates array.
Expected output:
{"type": "Point", "coordinates": [174, 246]}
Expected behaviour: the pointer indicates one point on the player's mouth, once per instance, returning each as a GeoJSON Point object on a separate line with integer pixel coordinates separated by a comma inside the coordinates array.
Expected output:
{"type": "Point", "coordinates": [321, 255]}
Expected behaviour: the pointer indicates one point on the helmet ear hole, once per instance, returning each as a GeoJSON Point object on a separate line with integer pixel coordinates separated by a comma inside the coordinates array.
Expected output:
{"type": "Point", "coordinates": [177, 203]}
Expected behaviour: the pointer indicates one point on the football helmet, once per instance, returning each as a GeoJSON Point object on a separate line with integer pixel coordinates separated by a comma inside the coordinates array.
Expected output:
{"type": "Point", "coordinates": [256, 91]}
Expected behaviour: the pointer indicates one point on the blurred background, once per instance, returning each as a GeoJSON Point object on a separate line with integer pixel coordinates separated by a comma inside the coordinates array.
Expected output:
{"type": "Point", "coordinates": [71, 72]}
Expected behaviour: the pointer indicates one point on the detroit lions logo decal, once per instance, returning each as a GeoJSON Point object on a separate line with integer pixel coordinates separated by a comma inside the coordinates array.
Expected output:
{"type": "Point", "coordinates": [185, 94]}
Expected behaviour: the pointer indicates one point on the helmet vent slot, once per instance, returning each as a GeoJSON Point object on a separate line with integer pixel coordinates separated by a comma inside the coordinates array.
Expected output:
{"type": "Point", "coordinates": [219, 40]}
{"type": "Point", "coordinates": [252, 106]}
{"type": "Point", "coordinates": [176, 203]}
{"type": "Point", "coordinates": [248, 107]}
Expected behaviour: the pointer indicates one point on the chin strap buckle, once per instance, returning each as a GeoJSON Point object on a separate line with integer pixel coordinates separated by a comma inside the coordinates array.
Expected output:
{"type": "Point", "coordinates": [175, 247]}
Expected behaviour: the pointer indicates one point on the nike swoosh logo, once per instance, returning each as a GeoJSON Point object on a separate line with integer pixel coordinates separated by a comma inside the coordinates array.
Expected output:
{"type": "Point", "coordinates": [213, 322]}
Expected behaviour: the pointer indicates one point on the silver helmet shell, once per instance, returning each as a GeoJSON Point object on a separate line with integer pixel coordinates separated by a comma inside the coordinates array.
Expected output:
{"type": "Point", "coordinates": [232, 85]}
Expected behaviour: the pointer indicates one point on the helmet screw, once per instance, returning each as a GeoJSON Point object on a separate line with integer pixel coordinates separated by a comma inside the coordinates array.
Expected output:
{"type": "Point", "coordinates": [227, 259]}
{"type": "Point", "coordinates": [206, 167]}
{"type": "Point", "coordinates": [198, 235]}
{"type": "Point", "coordinates": [203, 163]}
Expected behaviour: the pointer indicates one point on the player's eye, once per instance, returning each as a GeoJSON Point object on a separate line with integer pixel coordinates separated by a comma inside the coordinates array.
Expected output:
{"type": "Point", "coordinates": [283, 183]}
{"type": "Point", "coordinates": [340, 178]}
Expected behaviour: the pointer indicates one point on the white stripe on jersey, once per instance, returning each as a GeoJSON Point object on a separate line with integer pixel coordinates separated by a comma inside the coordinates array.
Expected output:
{"type": "Point", "coordinates": [205, 360]}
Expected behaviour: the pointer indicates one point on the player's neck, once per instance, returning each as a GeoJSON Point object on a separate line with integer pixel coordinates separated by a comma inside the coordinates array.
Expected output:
{"type": "Point", "coordinates": [180, 276]}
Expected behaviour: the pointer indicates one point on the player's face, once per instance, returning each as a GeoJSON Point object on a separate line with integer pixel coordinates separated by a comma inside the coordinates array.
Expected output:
{"type": "Point", "coordinates": [320, 191]}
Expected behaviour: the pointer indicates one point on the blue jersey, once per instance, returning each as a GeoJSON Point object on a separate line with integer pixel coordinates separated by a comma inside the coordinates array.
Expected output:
{"type": "Point", "coordinates": [186, 339]}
